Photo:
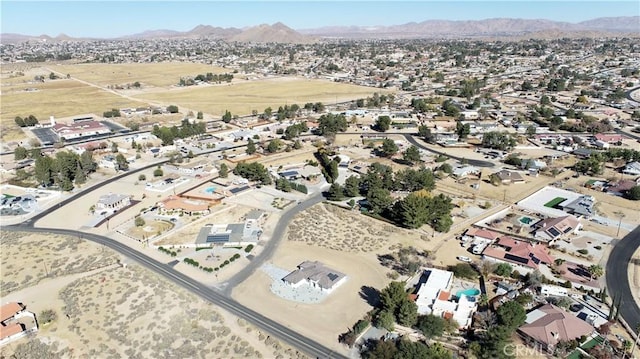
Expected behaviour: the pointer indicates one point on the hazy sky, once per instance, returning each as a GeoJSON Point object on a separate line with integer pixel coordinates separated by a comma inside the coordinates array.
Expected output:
{"type": "Point", "coordinates": [117, 18]}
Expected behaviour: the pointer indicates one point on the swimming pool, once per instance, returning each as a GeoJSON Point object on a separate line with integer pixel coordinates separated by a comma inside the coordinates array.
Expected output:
{"type": "Point", "coordinates": [210, 190]}
{"type": "Point", "coordinates": [471, 292]}
{"type": "Point", "coordinates": [526, 220]}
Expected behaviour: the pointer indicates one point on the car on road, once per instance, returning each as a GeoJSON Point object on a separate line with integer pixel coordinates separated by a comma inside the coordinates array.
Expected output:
{"type": "Point", "coordinates": [174, 219]}
{"type": "Point", "coordinates": [464, 259]}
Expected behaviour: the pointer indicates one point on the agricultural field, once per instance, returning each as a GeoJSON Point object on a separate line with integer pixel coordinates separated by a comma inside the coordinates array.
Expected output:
{"type": "Point", "coordinates": [242, 97]}
{"type": "Point", "coordinates": [152, 74]}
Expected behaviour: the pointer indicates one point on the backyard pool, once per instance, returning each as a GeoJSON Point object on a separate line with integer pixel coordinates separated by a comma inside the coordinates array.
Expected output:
{"type": "Point", "coordinates": [526, 220]}
{"type": "Point", "coordinates": [210, 189]}
{"type": "Point", "coordinates": [471, 292]}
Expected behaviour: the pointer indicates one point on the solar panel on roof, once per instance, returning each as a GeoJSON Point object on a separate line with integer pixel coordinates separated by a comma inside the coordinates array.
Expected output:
{"type": "Point", "coordinates": [568, 229]}
{"type": "Point", "coordinates": [516, 258]}
{"type": "Point", "coordinates": [332, 276]}
{"type": "Point", "coordinates": [554, 232]}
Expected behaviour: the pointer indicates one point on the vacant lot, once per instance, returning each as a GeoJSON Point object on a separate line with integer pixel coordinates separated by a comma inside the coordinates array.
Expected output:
{"type": "Point", "coordinates": [59, 98]}
{"type": "Point", "coordinates": [119, 312]}
{"type": "Point", "coordinates": [243, 97]}
{"type": "Point", "coordinates": [156, 74]}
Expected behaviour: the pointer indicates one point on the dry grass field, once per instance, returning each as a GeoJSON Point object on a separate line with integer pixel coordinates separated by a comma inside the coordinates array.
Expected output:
{"type": "Point", "coordinates": [119, 312]}
{"type": "Point", "coordinates": [59, 98]}
{"type": "Point", "coordinates": [243, 97]}
{"type": "Point", "coordinates": [152, 74]}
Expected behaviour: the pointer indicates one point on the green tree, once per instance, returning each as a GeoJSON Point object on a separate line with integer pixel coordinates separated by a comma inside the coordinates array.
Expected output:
{"type": "Point", "coordinates": [503, 269]}
{"type": "Point", "coordinates": [121, 163]}
{"type": "Point", "coordinates": [139, 221]}
{"type": "Point", "coordinates": [411, 154]}
{"type": "Point", "coordinates": [463, 270]}
{"type": "Point", "coordinates": [407, 313]}
{"type": "Point", "coordinates": [383, 123]}
{"type": "Point", "coordinates": [224, 170]}
{"type": "Point", "coordinates": [172, 109]}
{"type": "Point", "coordinates": [200, 115]}
{"type": "Point", "coordinates": [595, 271]}
{"type": "Point", "coordinates": [634, 193]}
{"type": "Point", "coordinates": [80, 177]}
{"type": "Point", "coordinates": [19, 121]}
{"type": "Point", "coordinates": [383, 349]}
{"type": "Point", "coordinates": [389, 147]}
{"type": "Point", "coordinates": [20, 153]}
{"type": "Point", "coordinates": [511, 314]}
{"type": "Point", "coordinates": [158, 172]}
{"type": "Point", "coordinates": [412, 211]}
{"type": "Point", "coordinates": [226, 118]}
{"type": "Point", "coordinates": [330, 124]}
{"type": "Point", "coordinates": [274, 145]}
{"type": "Point", "coordinates": [142, 177]}
{"type": "Point", "coordinates": [392, 296]}
{"type": "Point", "coordinates": [44, 170]}
{"type": "Point", "coordinates": [431, 326]}
{"type": "Point", "coordinates": [462, 130]}
{"type": "Point", "coordinates": [251, 147]}
{"type": "Point", "coordinates": [379, 199]}
{"type": "Point", "coordinates": [425, 133]}
{"type": "Point", "coordinates": [385, 319]}
{"type": "Point", "coordinates": [335, 192]}
{"type": "Point", "coordinates": [297, 145]}
{"type": "Point", "coordinates": [352, 186]}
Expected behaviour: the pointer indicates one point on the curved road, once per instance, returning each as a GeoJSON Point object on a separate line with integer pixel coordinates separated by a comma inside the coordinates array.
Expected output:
{"type": "Point", "coordinates": [214, 296]}
{"type": "Point", "coordinates": [412, 140]}
{"type": "Point", "coordinates": [272, 244]}
{"type": "Point", "coordinates": [617, 276]}
{"type": "Point", "coordinates": [268, 325]}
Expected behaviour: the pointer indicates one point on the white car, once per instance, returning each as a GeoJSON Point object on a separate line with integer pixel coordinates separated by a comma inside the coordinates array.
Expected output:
{"type": "Point", "coordinates": [464, 259]}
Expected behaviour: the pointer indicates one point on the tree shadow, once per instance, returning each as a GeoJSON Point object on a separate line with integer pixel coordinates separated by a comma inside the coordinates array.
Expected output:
{"type": "Point", "coordinates": [370, 295]}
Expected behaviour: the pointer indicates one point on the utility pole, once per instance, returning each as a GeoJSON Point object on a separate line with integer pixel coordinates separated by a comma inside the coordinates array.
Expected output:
{"type": "Point", "coordinates": [621, 215]}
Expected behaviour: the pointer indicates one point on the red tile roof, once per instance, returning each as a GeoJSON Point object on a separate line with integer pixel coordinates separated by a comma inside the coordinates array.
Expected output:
{"type": "Point", "coordinates": [556, 325]}
{"type": "Point", "coordinates": [9, 330]}
{"type": "Point", "coordinates": [507, 247]}
{"type": "Point", "coordinates": [483, 233]}
{"type": "Point", "coordinates": [9, 310]}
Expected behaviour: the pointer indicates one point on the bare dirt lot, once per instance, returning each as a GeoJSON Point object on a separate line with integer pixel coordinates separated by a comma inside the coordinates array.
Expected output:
{"type": "Point", "coordinates": [345, 241]}
{"type": "Point", "coordinates": [119, 311]}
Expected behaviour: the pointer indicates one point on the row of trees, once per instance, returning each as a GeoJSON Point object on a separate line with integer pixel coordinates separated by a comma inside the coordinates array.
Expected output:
{"type": "Point", "coordinates": [186, 129]}
{"type": "Point", "coordinates": [28, 121]}
{"type": "Point", "coordinates": [65, 169]}
{"type": "Point", "coordinates": [253, 172]}
{"type": "Point", "coordinates": [209, 77]}
{"type": "Point", "coordinates": [498, 140]}
{"type": "Point", "coordinates": [330, 124]}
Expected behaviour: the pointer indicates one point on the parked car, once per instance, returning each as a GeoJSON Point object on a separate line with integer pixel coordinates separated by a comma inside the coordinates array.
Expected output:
{"type": "Point", "coordinates": [464, 259]}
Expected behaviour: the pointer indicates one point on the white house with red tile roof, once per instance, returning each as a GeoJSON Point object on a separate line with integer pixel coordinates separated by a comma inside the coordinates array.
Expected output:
{"type": "Point", "coordinates": [517, 252]}
{"type": "Point", "coordinates": [78, 129]}
{"type": "Point", "coordinates": [609, 138]}
{"type": "Point", "coordinates": [482, 234]}
{"type": "Point", "coordinates": [549, 325]}
{"type": "Point", "coordinates": [15, 322]}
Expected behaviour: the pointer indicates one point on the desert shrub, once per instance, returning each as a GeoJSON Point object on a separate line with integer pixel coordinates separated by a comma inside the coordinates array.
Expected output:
{"type": "Point", "coordinates": [47, 316]}
{"type": "Point", "coordinates": [248, 248]}
{"type": "Point", "coordinates": [583, 251]}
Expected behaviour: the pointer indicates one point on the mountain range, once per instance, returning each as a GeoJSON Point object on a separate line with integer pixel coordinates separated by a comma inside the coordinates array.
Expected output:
{"type": "Point", "coordinates": [488, 28]}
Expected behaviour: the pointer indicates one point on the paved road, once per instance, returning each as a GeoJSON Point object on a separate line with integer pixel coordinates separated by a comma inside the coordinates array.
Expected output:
{"type": "Point", "coordinates": [411, 139]}
{"type": "Point", "coordinates": [272, 244]}
{"type": "Point", "coordinates": [268, 325]}
{"type": "Point", "coordinates": [617, 276]}
{"type": "Point", "coordinates": [32, 220]}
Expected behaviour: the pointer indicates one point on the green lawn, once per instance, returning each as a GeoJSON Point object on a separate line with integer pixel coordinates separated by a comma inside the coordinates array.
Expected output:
{"type": "Point", "coordinates": [554, 202]}
{"type": "Point", "coordinates": [592, 343]}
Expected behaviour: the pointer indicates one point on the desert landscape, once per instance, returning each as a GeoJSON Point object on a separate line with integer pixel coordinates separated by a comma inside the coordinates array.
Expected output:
{"type": "Point", "coordinates": [103, 307]}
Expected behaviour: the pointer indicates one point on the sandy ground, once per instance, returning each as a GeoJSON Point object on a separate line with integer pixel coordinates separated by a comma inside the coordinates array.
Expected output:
{"type": "Point", "coordinates": [102, 312]}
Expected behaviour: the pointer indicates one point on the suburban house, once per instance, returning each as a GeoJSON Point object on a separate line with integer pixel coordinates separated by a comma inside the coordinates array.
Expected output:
{"type": "Point", "coordinates": [465, 171]}
{"type": "Point", "coordinates": [517, 252]}
{"type": "Point", "coordinates": [554, 228]}
{"type": "Point", "coordinates": [184, 205]}
{"type": "Point", "coordinates": [621, 187]}
{"type": "Point", "coordinates": [609, 138]}
{"type": "Point", "coordinates": [113, 201]}
{"type": "Point", "coordinates": [632, 168]}
{"type": "Point", "coordinates": [507, 177]}
{"type": "Point", "coordinates": [306, 172]}
{"type": "Point", "coordinates": [434, 297]}
{"type": "Point", "coordinates": [581, 206]}
{"type": "Point", "coordinates": [548, 325]}
{"type": "Point", "coordinates": [15, 322]}
{"type": "Point", "coordinates": [317, 275]}
{"type": "Point", "coordinates": [583, 152]}
{"type": "Point", "coordinates": [235, 233]}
